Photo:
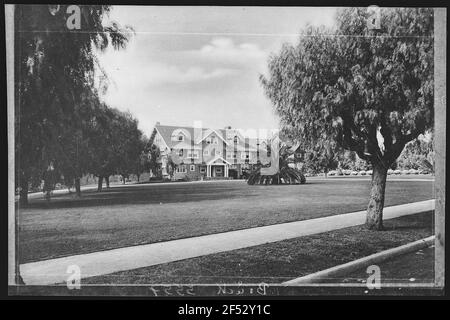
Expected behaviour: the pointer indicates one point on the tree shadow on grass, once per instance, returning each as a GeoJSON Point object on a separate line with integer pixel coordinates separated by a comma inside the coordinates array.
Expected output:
{"type": "Point", "coordinates": [138, 195]}
{"type": "Point", "coordinates": [411, 222]}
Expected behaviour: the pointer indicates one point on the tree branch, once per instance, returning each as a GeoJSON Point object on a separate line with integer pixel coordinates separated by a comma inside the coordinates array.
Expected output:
{"type": "Point", "coordinates": [348, 142]}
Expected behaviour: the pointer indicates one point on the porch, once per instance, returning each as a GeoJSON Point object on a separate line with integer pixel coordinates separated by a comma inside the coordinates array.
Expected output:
{"type": "Point", "coordinates": [217, 168]}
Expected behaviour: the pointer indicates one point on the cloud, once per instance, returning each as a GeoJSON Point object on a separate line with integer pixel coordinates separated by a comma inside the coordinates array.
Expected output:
{"type": "Point", "coordinates": [225, 51]}
{"type": "Point", "coordinates": [129, 72]}
{"type": "Point", "coordinates": [219, 58]}
{"type": "Point", "coordinates": [172, 74]}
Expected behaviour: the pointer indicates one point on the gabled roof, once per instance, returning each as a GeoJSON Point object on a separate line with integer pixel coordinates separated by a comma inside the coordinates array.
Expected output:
{"type": "Point", "coordinates": [207, 132]}
{"type": "Point", "coordinates": [166, 134]}
{"type": "Point", "coordinates": [218, 158]}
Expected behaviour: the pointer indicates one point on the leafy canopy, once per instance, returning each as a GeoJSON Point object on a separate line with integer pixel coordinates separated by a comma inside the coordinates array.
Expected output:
{"type": "Point", "coordinates": [55, 89]}
{"type": "Point", "coordinates": [349, 83]}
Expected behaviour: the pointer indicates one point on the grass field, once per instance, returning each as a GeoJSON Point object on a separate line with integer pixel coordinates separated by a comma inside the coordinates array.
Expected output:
{"type": "Point", "coordinates": [140, 214]}
{"type": "Point", "coordinates": [285, 260]}
{"type": "Point", "coordinates": [415, 267]}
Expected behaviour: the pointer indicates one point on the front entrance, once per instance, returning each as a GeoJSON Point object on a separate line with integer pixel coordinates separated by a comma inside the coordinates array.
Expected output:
{"type": "Point", "coordinates": [217, 171]}
{"type": "Point", "coordinates": [217, 168]}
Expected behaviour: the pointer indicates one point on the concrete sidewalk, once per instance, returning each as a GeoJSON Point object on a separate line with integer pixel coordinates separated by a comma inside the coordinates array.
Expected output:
{"type": "Point", "coordinates": [109, 261]}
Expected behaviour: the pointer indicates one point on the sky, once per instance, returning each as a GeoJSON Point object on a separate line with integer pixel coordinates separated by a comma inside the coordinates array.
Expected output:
{"type": "Point", "coordinates": [187, 64]}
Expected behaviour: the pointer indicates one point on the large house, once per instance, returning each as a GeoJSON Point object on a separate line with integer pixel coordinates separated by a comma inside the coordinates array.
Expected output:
{"type": "Point", "coordinates": [203, 153]}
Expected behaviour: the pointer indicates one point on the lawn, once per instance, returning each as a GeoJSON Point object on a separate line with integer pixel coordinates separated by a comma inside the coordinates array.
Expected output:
{"type": "Point", "coordinates": [415, 267]}
{"type": "Point", "coordinates": [285, 260]}
{"type": "Point", "coordinates": [140, 214]}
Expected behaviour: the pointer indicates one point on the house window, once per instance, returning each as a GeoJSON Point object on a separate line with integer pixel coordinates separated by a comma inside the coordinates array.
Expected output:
{"type": "Point", "coordinates": [180, 153]}
{"type": "Point", "coordinates": [178, 136]}
{"type": "Point", "coordinates": [192, 167]}
{"type": "Point", "coordinates": [218, 152]}
{"type": "Point", "coordinates": [202, 169]}
{"type": "Point", "coordinates": [212, 140]}
{"type": "Point", "coordinates": [182, 169]}
{"type": "Point", "coordinates": [192, 154]}
{"type": "Point", "coordinates": [236, 139]}
{"type": "Point", "coordinates": [206, 152]}
{"type": "Point", "coordinates": [229, 155]}
{"type": "Point", "coordinates": [218, 170]}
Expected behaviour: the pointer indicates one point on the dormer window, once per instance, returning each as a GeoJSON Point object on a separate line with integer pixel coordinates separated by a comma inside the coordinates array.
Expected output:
{"type": "Point", "coordinates": [179, 135]}
{"type": "Point", "coordinates": [212, 140]}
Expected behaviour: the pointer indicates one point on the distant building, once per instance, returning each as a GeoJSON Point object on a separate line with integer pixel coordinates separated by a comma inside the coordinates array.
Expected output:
{"type": "Point", "coordinates": [204, 153]}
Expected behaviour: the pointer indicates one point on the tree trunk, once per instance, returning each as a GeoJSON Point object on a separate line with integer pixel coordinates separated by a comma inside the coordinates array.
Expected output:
{"type": "Point", "coordinates": [23, 195]}
{"type": "Point", "coordinates": [107, 182]}
{"type": "Point", "coordinates": [123, 179]}
{"type": "Point", "coordinates": [100, 184]}
{"type": "Point", "coordinates": [374, 220]}
{"type": "Point", "coordinates": [77, 187]}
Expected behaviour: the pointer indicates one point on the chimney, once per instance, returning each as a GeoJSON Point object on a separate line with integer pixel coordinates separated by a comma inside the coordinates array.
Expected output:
{"type": "Point", "coordinates": [158, 123]}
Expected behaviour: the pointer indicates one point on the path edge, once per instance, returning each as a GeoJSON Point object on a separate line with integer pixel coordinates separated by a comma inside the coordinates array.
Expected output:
{"type": "Point", "coordinates": [346, 268]}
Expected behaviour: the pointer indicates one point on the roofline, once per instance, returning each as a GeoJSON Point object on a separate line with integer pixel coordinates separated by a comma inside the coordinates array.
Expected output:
{"type": "Point", "coordinates": [162, 137]}
{"type": "Point", "coordinates": [216, 158]}
{"type": "Point", "coordinates": [214, 130]}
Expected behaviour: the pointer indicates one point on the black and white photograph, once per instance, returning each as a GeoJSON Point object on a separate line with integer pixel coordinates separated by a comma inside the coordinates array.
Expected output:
{"type": "Point", "coordinates": [225, 151]}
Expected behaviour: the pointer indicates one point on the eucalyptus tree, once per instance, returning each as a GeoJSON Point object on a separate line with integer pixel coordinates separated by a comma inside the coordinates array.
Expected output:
{"type": "Point", "coordinates": [56, 62]}
{"type": "Point", "coordinates": [369, 90]}
{"type": "Point", "coordinates": [127, 144]}
{"type": "Point", "coordinates": [143, 162]}
{"type": "Point", "coordinates": [154, 160]}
